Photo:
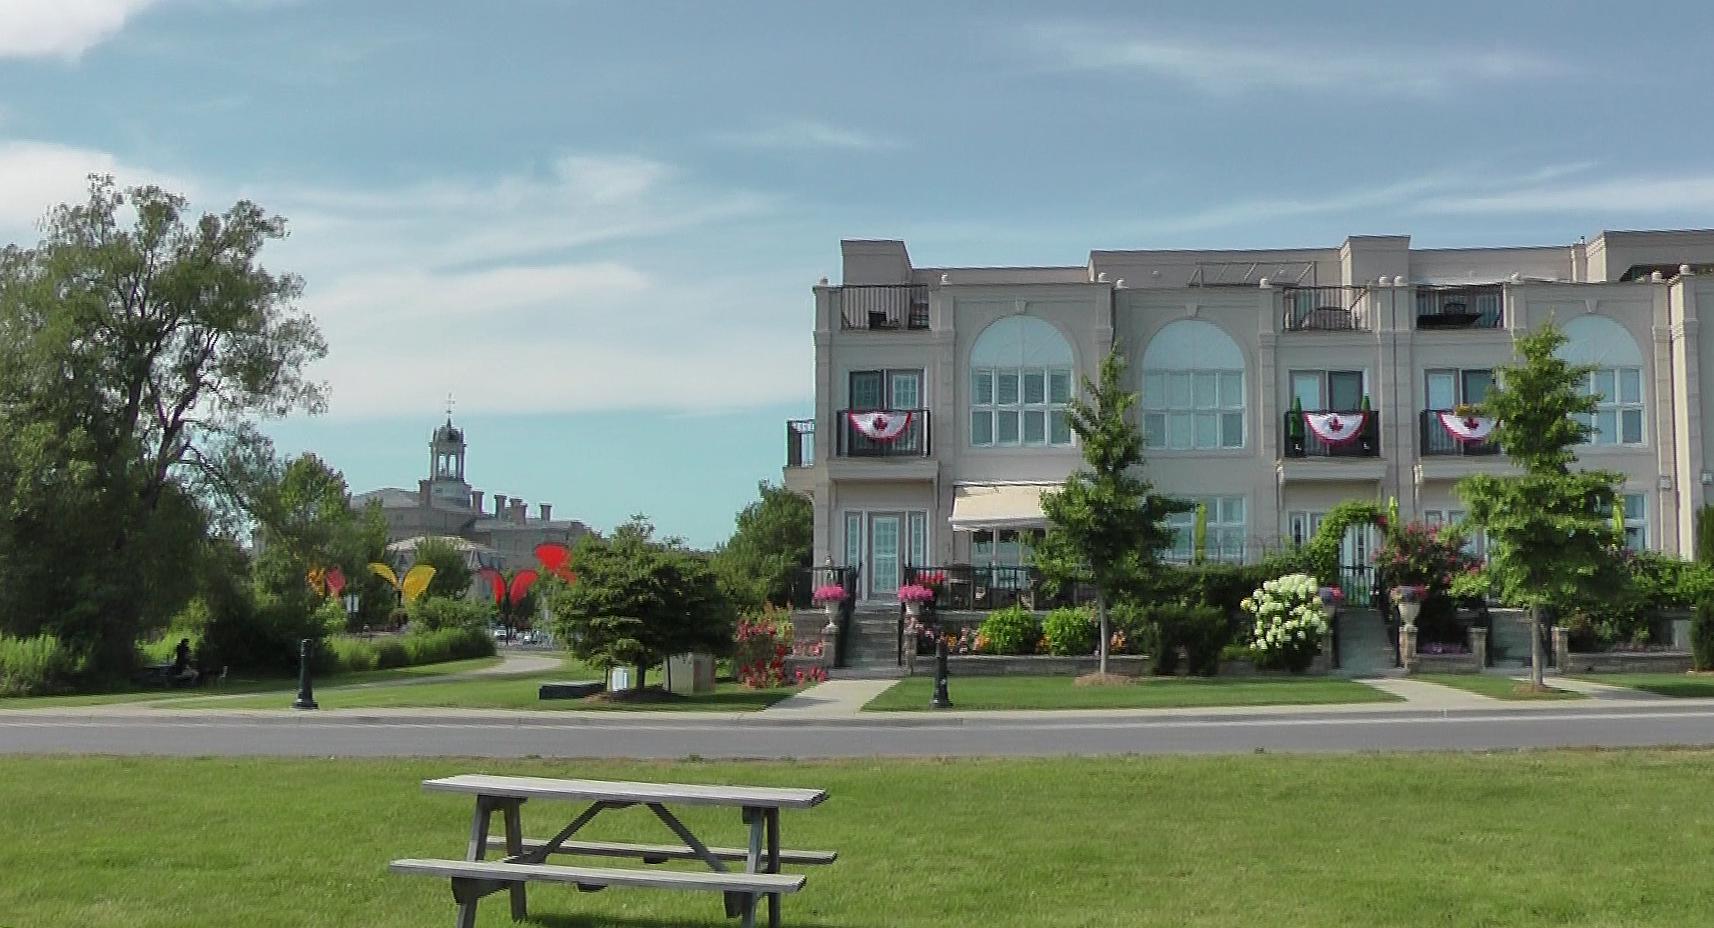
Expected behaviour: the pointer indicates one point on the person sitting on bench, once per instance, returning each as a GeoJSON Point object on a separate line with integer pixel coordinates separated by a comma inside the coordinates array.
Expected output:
{"type": "Point", "coordinates": [183, 672]}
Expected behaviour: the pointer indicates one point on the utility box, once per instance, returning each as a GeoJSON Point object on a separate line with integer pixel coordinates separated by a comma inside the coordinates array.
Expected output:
{"type": "Point", "coordinates": [689, 674]}
{"type": "Point", "coordinates": [619, 679]}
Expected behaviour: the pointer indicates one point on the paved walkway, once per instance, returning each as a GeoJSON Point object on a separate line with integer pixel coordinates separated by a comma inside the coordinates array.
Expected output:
{"type": "Point", "coordinates": [512, 662]}
{"type": "Point", "coordinates": [833, 699]}
{"type": "Point", "coordinates": [1422, 695]}
{"type": "Point", "coordinates": [1599, 690]}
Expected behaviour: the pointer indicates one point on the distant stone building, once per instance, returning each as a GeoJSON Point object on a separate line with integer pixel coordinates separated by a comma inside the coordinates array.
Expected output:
{"type": "Point", "coordinates": [444, 504]}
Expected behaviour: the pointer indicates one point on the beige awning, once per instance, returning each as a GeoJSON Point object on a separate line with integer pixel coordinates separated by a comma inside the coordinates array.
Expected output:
{"type": "Point", "coordinates": [986, 506]}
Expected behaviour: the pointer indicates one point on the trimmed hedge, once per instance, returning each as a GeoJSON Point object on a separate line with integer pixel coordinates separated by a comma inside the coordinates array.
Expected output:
{"type": "Point", "coordinates": [1070, 632]}
{"type": "Point", "coordinates": [345, 653]}
{"type": "Point", "coordinates": [1012, 630]}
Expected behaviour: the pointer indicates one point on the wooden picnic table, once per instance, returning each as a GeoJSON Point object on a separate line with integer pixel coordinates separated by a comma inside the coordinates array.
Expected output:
{"type": "Point", "coordinates": [475, 877]}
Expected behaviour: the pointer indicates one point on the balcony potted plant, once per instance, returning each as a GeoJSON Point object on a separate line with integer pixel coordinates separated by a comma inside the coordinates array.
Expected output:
{"type": "Point", "coordinates": [914, 595]}
{"type": "Point", "coordinates": [829, 596]}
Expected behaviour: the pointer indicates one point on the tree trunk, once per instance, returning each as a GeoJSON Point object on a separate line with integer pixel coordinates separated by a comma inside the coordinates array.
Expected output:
{"type": "Point", "coordinates": [1536, 656]}
{"type": "Point", "coordinates": [641, 670]}
{"type": "Point", "coordinates": [1101, 619]}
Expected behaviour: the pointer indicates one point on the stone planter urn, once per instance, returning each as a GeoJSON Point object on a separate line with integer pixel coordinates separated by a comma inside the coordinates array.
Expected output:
{"type": "Point", "coordinates": [913, 609]}
{"type": "Point", "coordinates": [832, 607]}
{"type": "Point", "coordinates": [1408, 613]}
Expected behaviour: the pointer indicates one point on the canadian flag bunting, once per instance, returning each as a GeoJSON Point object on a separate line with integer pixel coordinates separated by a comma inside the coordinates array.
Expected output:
{"type": "Point", "coordinates": [1335, 428]}
{"type": "Point", "coordinates": [880, 426]}
{"type": "Point", "coordinates": [1470, 429]}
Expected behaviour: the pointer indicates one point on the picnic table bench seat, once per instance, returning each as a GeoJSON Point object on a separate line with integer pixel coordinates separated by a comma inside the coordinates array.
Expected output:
{"type": "Point", "coordinates": [587, 878]}
{"type": "Point", "coordinates": [681, 794]}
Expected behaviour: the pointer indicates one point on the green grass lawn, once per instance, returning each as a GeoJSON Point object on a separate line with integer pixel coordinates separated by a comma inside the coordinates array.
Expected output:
{"type": "Point", "coordinates": [511, 691]}
{"type": "Point", "coordinates": [240, 684]}
{"type": "Point", "coordinates": [1479, 840]}
{"type": "Point", "coordinates": [1146, 693]}
{"type": "Point", "coordinates": [1680, 685]}
{"type": "Point", "coordinates": [1496, 687]}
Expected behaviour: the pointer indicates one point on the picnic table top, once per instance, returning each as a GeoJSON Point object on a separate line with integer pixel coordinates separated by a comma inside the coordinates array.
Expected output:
{"type": "Point", "coordinates": [626, 791]}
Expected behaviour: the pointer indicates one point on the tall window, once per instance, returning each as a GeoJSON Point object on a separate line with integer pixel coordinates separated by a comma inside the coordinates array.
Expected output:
{"type": "Point", "coordinates": [1193, 389]}
{"type": "Point", "coordinates": [1021, 372]}
{"type": "Point", "coordinates": [1636, 521]}
{"type": "Point", "coordinates": [1227, 529]}
{"type": "Point", "coordinates": [1618, 419]}
{"type": "Point", "coordinates": [1617, 379]}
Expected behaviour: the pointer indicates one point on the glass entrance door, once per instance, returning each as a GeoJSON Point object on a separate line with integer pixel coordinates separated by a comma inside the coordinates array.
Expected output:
{"type": "Point", "coordinates": [884, 564]}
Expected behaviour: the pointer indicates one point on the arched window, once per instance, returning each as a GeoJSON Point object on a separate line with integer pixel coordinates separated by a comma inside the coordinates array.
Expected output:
{"type": "Point", "coordinates": [1617, 379]}
{"type": "Point", "coordinates": [1021, 371]}
{"type": "Point", "coordinates": [1193, 389]}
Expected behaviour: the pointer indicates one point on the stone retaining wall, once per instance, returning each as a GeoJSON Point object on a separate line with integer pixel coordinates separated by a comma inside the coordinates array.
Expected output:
{"type": "Point", "coordinates": [1626, 662]}
{"type": "Point", "coordinates": [995, 665]}
{"type": "Point", "coordinates": [1446, 663]}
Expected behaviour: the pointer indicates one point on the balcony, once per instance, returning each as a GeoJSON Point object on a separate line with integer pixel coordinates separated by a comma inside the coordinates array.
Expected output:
{"type": "Point", "coordinates": [883, 307]}
{"type": "Point", "coordinates": [1301, 441]}
{"type": "Point", "coordinates": [1460, 307]}
{"type": "Point", "coordinates": [1325, 309]}
{"type": "Point", "coordinates": [1438, 442]}
{"type": "Point", "coordinates": [800, 442]}
{"type": "Point", "coordinates": [888, 436]}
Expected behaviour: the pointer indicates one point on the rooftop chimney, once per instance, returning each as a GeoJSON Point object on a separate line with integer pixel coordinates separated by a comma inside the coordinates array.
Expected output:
{"type": "Point", "coordinates": [476, 501]}
{"type": "Point", "coordinates": [423, 493]}
{"type": "Point", "coordinates": [499, 505]}
{"type": "Point", "coordinates": [519, 508]}
{"type": "Point", "coordinates": [547, 511]}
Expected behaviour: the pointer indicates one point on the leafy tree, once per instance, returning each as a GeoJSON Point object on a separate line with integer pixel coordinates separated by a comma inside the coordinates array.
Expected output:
{"type": "Point", "coordinates": [638, 600]}
{"type": "Point", "coordinates": [772, 541]}
{"type": "Point", "coordinates": [1107, 527]}
{"type": "Point", "coordinates": [1548, 529]}
{"type": "Point", "coordinates": [452, 572]}
{"type": "Point", "coordinates": [138, 347]}
{"type": "Point", "coordinates": [308, 524]}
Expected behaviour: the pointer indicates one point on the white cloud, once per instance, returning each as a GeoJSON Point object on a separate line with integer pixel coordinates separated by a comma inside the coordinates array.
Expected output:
{"type": "Point", "coordinates": [578, 287]}
{"type": "Point", "coordinates": [806, 134]}
{"type": "Point", "coordinates": [37, 175]}
{"type": "Point", "coordinates": [62, 28]}
{"type": "Point", "coordinates": [1230, 67]}
{"type": "Point", "coordinates": [1636, 195]}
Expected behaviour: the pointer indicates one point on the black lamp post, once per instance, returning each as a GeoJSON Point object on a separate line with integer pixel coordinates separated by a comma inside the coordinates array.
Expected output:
{"type": "Point", "coordinates": [306, 695]}
{"type": "Point", "coordinates": [941, 700]}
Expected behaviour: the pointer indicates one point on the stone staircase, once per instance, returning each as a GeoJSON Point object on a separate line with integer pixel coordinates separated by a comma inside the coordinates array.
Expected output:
{"type": "Point", "coordinates": [872, 649]}
{"type": "Point", "coordinates": [1509, 639]}
{"type": "Point", "coordinates": [1365, 649]}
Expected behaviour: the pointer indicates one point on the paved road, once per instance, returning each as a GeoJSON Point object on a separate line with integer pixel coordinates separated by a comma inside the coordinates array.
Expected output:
{"type": "Point", "coordinates": [329, 734]}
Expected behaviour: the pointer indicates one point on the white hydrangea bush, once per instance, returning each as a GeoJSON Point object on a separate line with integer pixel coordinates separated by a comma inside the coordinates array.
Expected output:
{"type": "Point", "coordinates": [1289, 621]}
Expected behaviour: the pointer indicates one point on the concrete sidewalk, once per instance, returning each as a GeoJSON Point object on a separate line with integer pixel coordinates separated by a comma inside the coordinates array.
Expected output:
{"type": "Point", "coordinates": [832, 699]}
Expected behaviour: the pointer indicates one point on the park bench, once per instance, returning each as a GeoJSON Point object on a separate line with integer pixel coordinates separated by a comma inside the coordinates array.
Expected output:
{"type": "Point", "coordinates": [525, 860]}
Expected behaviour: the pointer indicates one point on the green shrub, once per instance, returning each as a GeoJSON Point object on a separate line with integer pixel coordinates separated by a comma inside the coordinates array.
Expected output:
{"type": "Point", "coordinates": [350, 654]}
{"type": "Point", "coordinates": [1702, 636]}
{"type": "Point", "coordinates": [390, 652]}
{"type": "Point", "coordinates": [1010, 631]}
{"type": "Point", "coordinates": [1129, 622]}
{"type": "Point", "coordinates": [36, 666]}
{"type": "Point", "coordinates": [447, 644]}
{"type": "Point", "coordinates": [433, 613]}
{"type": "Point", "coordinates": [1238, 651]}
{"type": "Point", "coordinates": [1070, 632]}
{"type": "Point", "coordinates": [1222, 586]}
{"type": "Point", "coordinates": [1202, 631]}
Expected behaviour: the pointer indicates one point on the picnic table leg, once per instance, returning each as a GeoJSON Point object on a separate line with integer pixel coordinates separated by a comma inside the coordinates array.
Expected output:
{"type": "Point", "coordinates": [773, 816]}
{"type": "Point", "coordinates": [514, 848]}
{"type": "Point", "coordinates": [477, 847]}
{"type": "Point", "coordinates": [757, 820]}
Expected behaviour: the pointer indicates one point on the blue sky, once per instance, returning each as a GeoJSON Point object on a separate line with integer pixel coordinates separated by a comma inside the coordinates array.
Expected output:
{"type": "Point", "coordinates": [597, 223]}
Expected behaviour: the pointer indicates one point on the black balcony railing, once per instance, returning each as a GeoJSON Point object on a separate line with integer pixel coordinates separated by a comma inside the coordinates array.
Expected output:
{"type": "Point", "coordinates": [965, 587]}
{"type": "Point", "coordinates": [911, 442]}
{"type": "Point", "coordinates": [1460, 307]}
{"type": "Point", "coordinates": [1437, 441]}
{"type": "Point", "coordinates": [1300, 440]}
{"type": "Point", "coordinates": [800, 442]}
{"type": "Point", "coordinates": [883, 306]}
{"type": "Point", "coordinates": [1325, 309]}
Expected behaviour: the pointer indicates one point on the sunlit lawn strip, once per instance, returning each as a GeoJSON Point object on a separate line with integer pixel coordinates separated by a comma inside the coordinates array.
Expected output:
{"type": "Point", "coordinates": [1046, 692]}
